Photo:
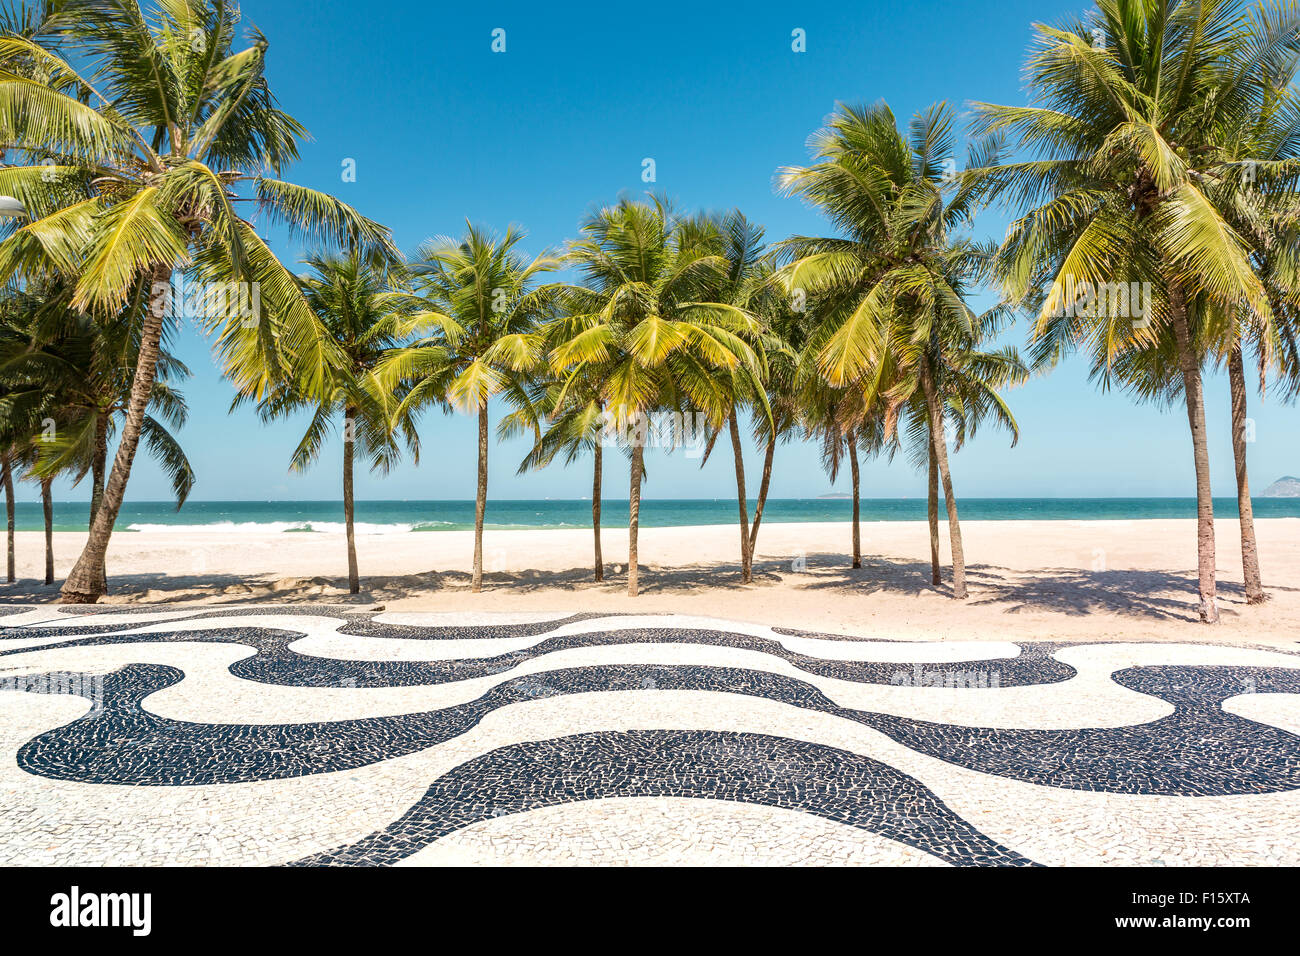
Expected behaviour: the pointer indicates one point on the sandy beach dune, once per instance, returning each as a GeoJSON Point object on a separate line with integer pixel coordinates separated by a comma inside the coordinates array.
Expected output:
{"type": "Point", "coordinates": [1054, 580]}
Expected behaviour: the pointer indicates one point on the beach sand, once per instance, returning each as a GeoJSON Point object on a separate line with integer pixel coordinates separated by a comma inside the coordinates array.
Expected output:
{"type": "Point", "coordinates": [1051, 580]}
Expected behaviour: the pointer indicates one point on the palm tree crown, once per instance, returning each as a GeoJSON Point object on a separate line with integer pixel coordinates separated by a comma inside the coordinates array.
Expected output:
{"type": "Point", "coordinates": [1130, 106]}
{"type": "Point", "coordinates": [642, 331]}
{"type": "Point", "coordinates": [479, 311]}
{"type": "Point", "coordinates": [887, 298]}
{"type": "Point", "coordinates": [364, 319]}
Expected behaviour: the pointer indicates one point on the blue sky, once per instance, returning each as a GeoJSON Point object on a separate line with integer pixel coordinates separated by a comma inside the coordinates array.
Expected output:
{"type": "Point", "coordinates": [441, 128]}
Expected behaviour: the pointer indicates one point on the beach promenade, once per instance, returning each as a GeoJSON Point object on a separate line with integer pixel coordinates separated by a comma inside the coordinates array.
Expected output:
{"type": "Point", "coordinates": [336, 735]}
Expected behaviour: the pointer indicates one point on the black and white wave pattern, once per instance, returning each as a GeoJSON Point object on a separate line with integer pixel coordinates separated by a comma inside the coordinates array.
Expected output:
{"type": "Point", "coordinates": [452, 726]}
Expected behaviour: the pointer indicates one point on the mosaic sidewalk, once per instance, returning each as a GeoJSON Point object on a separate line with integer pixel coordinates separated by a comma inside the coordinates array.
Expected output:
{"type": "Point", "coordinates": [331, 736]}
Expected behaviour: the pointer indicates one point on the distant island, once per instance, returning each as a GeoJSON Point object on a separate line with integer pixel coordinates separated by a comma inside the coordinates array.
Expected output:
{"type": "Point", "coordinates": [1287, 487]}
{"type": "Point", "coordinates": [838, 494]}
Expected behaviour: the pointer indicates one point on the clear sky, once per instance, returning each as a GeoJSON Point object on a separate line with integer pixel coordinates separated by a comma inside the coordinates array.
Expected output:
{"type": "Point", "coordinates": [442, 128]}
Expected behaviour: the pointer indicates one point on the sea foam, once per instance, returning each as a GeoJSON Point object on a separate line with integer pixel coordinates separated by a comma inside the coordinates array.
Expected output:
{"type": "Point", "coordinates": [276, 527]}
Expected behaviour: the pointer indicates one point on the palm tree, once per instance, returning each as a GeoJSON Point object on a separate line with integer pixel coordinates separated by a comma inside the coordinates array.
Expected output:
{"type": "Point", "coordinates": [571, 431]}
{"type": "Point", "coordinates": [365, 318]}
{"type": "Point", "coordinates": [76, 377]}
{"type": "Point", "coordinates": [7, 480]}
{"type": "Point", "coordinates": [888, 295]}
{"type": "Point", "coordinates": [846, 429]}
{"type": "Point", "coordinates": [785, 328]}
{"type": "Point", "coordinates": [1252, 179]}
{"type": "Point", "coordinates": [67, 385]}
{"type": "Point", "coordinates": [481, 311]}
{"type": "Point", "coordinates": [1127, 104]}
{"type": "Point", "coordinates": [47, 511]}
{"type": "Point", "coordinates": [156, 127]}
{"type": "Point", "coordinates": [24, 406]}
{"type": "Point", "coordinates": [971, 380]}
{"type": "Point", "coordinates": [846, 425]}
{"type": "Point", "coordinates": [746, 283]}
{"type": "Point", "coordinates": [27, 457]}
{"type": "Point", "coordinates": [643, 329]}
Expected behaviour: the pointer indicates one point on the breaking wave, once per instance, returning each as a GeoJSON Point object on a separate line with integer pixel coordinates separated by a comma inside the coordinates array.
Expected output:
{"type": "Point", "coordinates": [272, 527]}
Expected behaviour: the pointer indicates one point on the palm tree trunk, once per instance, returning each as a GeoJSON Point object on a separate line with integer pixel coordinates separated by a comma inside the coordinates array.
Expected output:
{"type": "Point", "coordinates": [852, 442]}
{"type": "Point", "coordinates": [595, 509]}
{"type": "Point", "coordinates": [349, 423]}
{"type": "Point", "coordinates": [634, 518]}
{"type": "Point", "coordinates": [1249, 552]}
{"type": "Point", "coordinates": [86, 582]}
{"type": "Point", "coordinates": [746, 574]}
{"type": "Point", "coordinates": [932, 511]}
{"type": "Point", "coordinates": [7, 476]}
{"type": "Point", "coordinates": [1191, 368]}
{"type": "Point", "coordinates": [480, 496]}
{"type": "Point", "coordinates": [98, 464]}
{"type": "Point", "coordinates": [940, 446]}
{"type": "Point", "coordinates": [763, 487]}
{"type": "Point", "coordinates": [98, 468]}
{"type": "Point", "coordinates": [47, 506]}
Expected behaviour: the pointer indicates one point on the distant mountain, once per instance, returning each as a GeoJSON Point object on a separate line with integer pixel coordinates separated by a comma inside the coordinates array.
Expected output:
{"type": "Point", "coordinates": [1287, 487]}
{"type": "Point", "coordinates": [842, 494]}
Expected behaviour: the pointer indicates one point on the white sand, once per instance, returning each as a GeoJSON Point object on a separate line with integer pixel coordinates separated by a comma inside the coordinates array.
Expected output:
{"type": "Point", "coordinates": [1069, 580]}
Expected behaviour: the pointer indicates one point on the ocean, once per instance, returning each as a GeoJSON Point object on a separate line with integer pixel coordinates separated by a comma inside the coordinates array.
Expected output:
{"type": "Point", "coordinates": [381, 517]}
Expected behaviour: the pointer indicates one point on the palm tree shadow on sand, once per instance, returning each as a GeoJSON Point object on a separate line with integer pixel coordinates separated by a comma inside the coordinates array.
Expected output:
{"type": "Point", "coordinates": [1158, 594]}
{"type": "Point", "coordinates": [1142, 594]}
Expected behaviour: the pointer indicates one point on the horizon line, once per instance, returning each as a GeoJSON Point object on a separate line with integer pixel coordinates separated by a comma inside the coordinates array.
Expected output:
{"type": "Point", "coordinates": [728, 498]}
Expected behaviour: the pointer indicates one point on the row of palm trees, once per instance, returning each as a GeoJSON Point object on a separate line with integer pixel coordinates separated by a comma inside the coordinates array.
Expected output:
{"type": "Point", "coordinates": [1156, 163]}
{"type": "Point", "coordinates": [688, 314]}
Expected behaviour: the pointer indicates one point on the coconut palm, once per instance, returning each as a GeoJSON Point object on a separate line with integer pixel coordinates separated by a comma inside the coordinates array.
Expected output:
{"type": "Point", "coordinates": [24, 457]}
{"type": "Point", "coordinates": [366, 318]}
{"type": "Point", "coordinates": [569, 431]}
{"type": "Point", "coordinates": [846, 426]}
{"type": "Point", "coordinates": [970, 382]}
{"type": "Point", "coordinates": [887, 296]}
{"type": "Point", "coordinates": [47, 512]}
{"type": "Point", "coordinates": [480, 310]}
{"type": "Point", "coordinates": [784, 329]}
{"type": "Point", "coordinates": [16, 429]}
{"type": "Point", "coordinates": [66, 380]}
{"type": "Point", "coordinates": [746, 283]}
{"type": "Point", "coordinates": [71, 379]}
{"type": "Point", "coordinates": [7, 458]}
{"type": "Point", "coordinates": [1127, 104]}
{"type": "Point", "coordinates": [157, 124]}
{"type": "Point", "coordinates": [1251, 175]}
{"type": "Point", "coordinates": [644, 330]}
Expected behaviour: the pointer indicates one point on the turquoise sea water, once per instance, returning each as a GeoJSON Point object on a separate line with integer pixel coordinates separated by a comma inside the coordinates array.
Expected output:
{"type": "Point", "coordinates": [377, 517]}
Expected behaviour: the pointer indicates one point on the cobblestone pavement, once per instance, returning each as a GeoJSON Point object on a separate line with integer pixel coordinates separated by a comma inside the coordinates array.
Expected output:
{"type": "Point", "coordinates": [337, 736]}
